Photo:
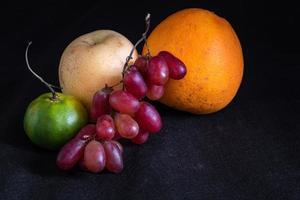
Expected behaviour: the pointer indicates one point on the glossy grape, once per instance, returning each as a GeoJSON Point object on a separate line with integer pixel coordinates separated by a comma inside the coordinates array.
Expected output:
{"type": "Point", "coordinates": [155, 92]}
{"type": "Point", "coordinates": [141, 138]}
{"type": "Point", "coordinates": [72, 151]}
{"type": "Point", "coordinates": [70, 154]}
{"type": "Point", "coordinates": [158, 71]}
{"type": "Point", "coordinates": [100, 104]}
{"type": "Point", "coordinates": [127, 127]}
{"type": "Point", "coordinates": [148, 118]}
{"type": "Point", "coordinates": [134, 83]}
{"type": "Point", "coordinates": [118, 144]}
{"type": "Point", "coordinates": [94, 157]}
{"type": "Point", "coordinates": [177, 68]}
{"type": "Point", "coordinates": [105, 127]}
{"type": "Point", "coordinates": [114, 159]}
{"type": "Point", "coordinates": [124, 102]}
{"type": "Point", "coordinates": [141, 63]}
{"type": "Point", "coordinates": [86, 132]}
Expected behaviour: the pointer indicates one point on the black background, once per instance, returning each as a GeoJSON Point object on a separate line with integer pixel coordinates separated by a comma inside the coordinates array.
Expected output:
{"type": "Point", "coordinates": [250, 150]}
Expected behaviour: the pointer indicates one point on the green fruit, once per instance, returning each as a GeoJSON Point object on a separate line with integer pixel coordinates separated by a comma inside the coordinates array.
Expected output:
{"type": "Point", "coordinates": [50, 122]}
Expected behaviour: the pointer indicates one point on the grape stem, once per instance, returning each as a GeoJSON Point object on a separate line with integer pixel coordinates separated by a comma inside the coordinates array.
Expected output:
{"type": "Point", "coordinates": [50, 86]}
{"type": "Point", "coordinates": [114, 85]}
{"type": "Point", "coordinates": [143, 38]}
{"type": "Point", "coordinates": [88, 138]}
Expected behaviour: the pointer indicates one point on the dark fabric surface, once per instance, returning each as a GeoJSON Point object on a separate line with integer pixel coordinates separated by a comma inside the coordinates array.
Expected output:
{"type": "Point", "coordinates": [250, 150]}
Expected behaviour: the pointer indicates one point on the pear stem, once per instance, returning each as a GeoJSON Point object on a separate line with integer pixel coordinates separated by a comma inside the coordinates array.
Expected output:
{"type": "Point", "coordinates": [50, 86]}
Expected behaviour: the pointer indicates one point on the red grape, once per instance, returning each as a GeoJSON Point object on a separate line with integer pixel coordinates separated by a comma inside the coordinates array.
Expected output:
{"type": "Point", "coordinates": [134, 83]}
{"type": "Point", "coordinates": [105, 128]}
{"type": "Point", "coordinates": [158, 71]}
{"type": "Point", "coordinates": [114, 160]}
{"type": "Point", "coordinates": [118, 144]}
{"type": "Point", "coordinates": [126, 126]}
{"type": "Point", "coordinates": [177, 68]}
{"type": "Point", "coordinates": [155, 92]}
{"type": "Point", "coordinates": [148, 118]}
{"type": "Point", "coordinates": [94, 157]}
{"type": "Point", "coordinates": [72, 151]}
{"type": "Point", "coordinates": [124, 102]}
{"type": "Point", "coordinates": [70, 154]}
{"type": "Point", "coordinates": [141, 64]}
{"type": "Point", "coordinates": [100, 104]}
{"type": "Point", "coordinates": [86, 131]}
{"type": "Point", "coordinates": [141, 138]}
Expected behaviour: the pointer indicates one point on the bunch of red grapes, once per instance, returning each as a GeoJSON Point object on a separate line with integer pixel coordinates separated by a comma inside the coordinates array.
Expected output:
{"type": "Point", "coordinates": [122, 114]}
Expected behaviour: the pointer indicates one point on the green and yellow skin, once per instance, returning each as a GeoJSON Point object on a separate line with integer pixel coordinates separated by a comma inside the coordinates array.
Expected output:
{"type": "Point", "coordinates": [51, 122]}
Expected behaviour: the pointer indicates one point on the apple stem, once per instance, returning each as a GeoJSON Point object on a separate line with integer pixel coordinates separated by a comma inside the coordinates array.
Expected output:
{"type": "Point", "coordinates": [143, 38]}
{"type": "Point", "coordinates": [50, 86]}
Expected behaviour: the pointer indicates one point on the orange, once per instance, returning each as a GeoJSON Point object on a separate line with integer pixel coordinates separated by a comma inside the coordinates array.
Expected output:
{"type": "Point", "coordinates": [51, 122]}
{"type": "Point", "coordinates": [211, 50]}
